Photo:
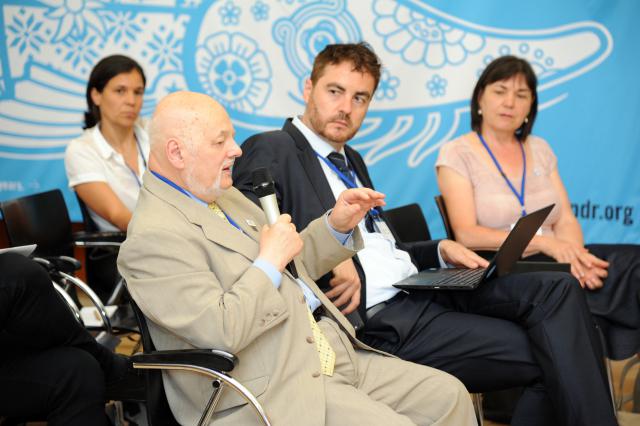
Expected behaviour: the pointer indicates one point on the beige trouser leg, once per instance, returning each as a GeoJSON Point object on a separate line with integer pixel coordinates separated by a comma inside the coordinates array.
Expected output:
{"type": "Point", "coordinates": [372, 389]}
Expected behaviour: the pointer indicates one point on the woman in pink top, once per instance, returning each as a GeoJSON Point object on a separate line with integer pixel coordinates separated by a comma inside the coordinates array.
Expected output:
{"type": "Point", "coordinates": [495, 174]}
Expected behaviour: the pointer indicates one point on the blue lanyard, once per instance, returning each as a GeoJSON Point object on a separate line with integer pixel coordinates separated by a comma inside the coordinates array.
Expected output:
{"type": "Point", "coordinates": [345, 179]}
{"type": "Point", "coordinates": [190, 195]}
{"type": "Point", "coordinates": [135, 176]}
{"type": "Point", "coordinates": [519, 196]}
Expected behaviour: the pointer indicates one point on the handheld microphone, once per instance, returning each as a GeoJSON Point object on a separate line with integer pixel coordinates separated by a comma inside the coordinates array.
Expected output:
{"type": "Point", "coordinates": [264, 188]}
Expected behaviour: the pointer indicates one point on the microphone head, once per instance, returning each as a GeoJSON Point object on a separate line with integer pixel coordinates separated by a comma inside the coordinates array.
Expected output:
{"type": "Point", "coordinates": [262, 182]}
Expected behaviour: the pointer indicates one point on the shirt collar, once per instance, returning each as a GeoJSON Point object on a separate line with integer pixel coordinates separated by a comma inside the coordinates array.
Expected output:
{"type": "Point", "coordinates": [318, 144]}
{"type": "Point", "coordinates": [105, 149]}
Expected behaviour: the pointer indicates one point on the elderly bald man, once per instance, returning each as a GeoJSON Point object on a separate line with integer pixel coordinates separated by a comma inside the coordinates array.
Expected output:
{"type": "Point", "coordinates": [208, 272]}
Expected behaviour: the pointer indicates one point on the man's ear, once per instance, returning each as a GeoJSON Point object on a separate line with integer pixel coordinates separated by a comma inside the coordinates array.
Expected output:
{"type": "Point", "coordinates": [174, 151]}
{"type": "Point", "coordinates": [306, 93]}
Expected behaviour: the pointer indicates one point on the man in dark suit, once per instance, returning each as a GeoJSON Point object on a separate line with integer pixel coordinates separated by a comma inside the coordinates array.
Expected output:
{"type": "Point", "coordinates": [531, 330]}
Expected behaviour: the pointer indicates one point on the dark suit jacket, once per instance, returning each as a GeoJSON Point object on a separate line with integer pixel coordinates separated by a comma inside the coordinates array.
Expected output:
{"type": "Point", "coordinates": [302, 189]}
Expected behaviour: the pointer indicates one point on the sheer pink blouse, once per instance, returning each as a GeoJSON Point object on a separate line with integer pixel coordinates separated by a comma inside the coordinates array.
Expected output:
{"type": "Point", "coordinates": [496, 206]}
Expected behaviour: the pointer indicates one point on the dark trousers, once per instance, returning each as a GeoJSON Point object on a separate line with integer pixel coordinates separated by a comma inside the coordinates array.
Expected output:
{"type": "Point", "coordinates": [532, 330]}
{"type": "Point", "coordinates": [616, 306]}
{"type": "Point", "coordinates": [50, 366]}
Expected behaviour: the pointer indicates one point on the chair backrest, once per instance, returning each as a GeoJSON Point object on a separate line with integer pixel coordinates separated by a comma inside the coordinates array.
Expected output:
{"type": "Point", "coordinates": [42, 219]}
{"type": "Point", "coordinates": [87, 221]}
{"type": "Point", "coordinates": [100, 262]}
{"type": "Point", "coordinates": [158, 410]}
{"type": "Point", "coordinates": [409, 223]}
{"type": "Point", "coordinates": [442, 208]}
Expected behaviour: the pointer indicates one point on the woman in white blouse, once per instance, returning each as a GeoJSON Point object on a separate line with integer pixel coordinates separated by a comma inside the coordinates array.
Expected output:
{"type": "Point", "coordinates": [105, 164]}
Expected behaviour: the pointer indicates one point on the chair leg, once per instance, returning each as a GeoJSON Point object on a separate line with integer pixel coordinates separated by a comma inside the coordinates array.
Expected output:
{"type": "Point", "coordinates": [477, 406]}
{"type": "Point", "coordinates": [607, 366]}
{"type": "Point", "coordinates": [635, 396]}
{"type": "Point", "coordinates": [213, 401]}
{"type": "Point", "coordinates": [636, 391]}
{"type": "Point", "coordinates": [228, 381]}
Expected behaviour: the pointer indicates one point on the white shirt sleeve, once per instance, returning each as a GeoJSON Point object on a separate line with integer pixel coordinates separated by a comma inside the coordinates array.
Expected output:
{"type": "Point", "coordinates": [83, 162]}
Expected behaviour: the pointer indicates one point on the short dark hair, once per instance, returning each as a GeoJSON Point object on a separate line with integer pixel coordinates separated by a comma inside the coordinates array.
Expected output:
{"type": "Point", "coordinates": [361, 55]}
{"type": "Point", "coordinates": [500, 69]}
{"type": "Point", "coordinates": [100, 75]}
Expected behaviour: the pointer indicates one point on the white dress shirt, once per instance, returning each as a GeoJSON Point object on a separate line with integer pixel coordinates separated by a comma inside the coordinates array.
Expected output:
{"type": "Point", "coordinates": [90, 158]}
{"type": "Point", "coordinates": [383, 263]}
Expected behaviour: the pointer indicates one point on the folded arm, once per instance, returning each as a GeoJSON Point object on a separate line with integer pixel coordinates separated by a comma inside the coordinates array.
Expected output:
{"type": "Point", "coordinates": [99, 197]}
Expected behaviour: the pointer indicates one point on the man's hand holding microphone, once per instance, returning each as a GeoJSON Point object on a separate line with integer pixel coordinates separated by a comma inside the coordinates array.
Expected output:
{"type": "Point", "coordinates": [280, 241]}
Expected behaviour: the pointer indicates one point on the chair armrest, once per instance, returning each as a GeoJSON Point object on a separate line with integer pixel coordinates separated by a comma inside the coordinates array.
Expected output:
{"type": "Point", "coordinates": [59, 263]}
{"type": "Point", "coordinates": [99, 239]}
{"type": "Point", "coordinates": [208, 358]}
{"type": "Point", "coordinates": [209, 362]}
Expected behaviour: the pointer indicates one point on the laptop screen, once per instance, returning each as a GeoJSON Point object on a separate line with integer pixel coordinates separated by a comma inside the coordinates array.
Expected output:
{"type": "Point", "coordinates": [516, 242]}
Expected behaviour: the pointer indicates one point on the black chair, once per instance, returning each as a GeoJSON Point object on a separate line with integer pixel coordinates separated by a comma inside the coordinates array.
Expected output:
{"type": "Point", "coordinates": [100, 258]}
{"type": "Point", "coordinates": [409, 223]}
{"type": "Point", "coordinates": [442, 208]}
{"type": "Point", "coordinates": [213, 363]}
{"type": "Point", "coordinates": [43, 219]}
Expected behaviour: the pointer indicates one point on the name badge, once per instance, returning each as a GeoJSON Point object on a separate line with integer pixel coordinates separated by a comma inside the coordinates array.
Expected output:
{"type": "Point", "coordinates": [382, 228]}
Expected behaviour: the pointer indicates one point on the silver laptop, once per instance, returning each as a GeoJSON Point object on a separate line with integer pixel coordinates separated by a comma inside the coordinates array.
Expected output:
{"type": "Point", "coordinates": [502, 263]}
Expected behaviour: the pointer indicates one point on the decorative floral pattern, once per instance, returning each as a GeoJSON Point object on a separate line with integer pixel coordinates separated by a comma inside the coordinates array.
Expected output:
{"type": "Point", "coordinates": [289, 2]}
{"type": "Point", "coordinates": [232, 69]}
{"type": "Point", "coordinates": [230, 13]}
{"type": "Point", "coordinates": [74, 16]}
{"type": "Point", "coordinates": [437, 86]}
{"type": "Point", "coordinates": [421, 39]}
{"type": "Point", "coordinates": [189, 3]}
{"type": "Point", "coordinates": [387, 86]}
{"type": "Point", "coordinates": [166, 50]}
{"type": "Point", "coordinates": [260, 11]}
{"type": "Point", "coordinates": [308, 30]}
{"type": "Point", "coordinates": [122, 25]}
{"type": "Point", "coordinates": [51, 45]}
{"type": "Point", "coordinates": [542, 64]}
{"type": "Point", "coordinates": [81, 50]}
{"type": "Point", "coordinates": [316, 38]}
{"type": "Point", "coordinates": [26, 33]}
{"type": "Point", "coordinates": [2, 85]}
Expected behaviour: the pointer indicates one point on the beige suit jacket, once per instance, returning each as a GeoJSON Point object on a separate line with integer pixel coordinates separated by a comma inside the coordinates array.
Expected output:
{"type": "Point", "coordinates": [191, 273]}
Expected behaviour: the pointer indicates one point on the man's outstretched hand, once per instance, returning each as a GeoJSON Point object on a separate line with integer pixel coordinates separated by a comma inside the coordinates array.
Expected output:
{"type": "Point", "coordinates": [351, 207]}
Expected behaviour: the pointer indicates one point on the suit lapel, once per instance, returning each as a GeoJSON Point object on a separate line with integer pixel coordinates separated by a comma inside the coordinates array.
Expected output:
{"type": "Point", "coordinates": [312, 166]}
{"type": "Point", "coordinates": [358, 166]}
{"type": "Point", "coordinates": [213, 227]}
{"type": "Point", "coordinates": [246, 215]}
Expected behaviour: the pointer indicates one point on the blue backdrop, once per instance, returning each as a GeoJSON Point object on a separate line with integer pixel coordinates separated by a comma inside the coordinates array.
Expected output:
{"type": "Point", "coordinates": [253, 56]}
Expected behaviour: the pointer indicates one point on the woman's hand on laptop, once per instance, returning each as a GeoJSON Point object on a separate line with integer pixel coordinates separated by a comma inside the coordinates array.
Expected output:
{"type": "Point", "coordinates": [458, 255]}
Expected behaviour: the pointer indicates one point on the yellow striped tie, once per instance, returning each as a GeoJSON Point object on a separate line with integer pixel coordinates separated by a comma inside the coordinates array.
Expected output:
{"type": "Point", "coordinates": [325, 351]}
{"type": "Point", "coordinates": [218, 211]}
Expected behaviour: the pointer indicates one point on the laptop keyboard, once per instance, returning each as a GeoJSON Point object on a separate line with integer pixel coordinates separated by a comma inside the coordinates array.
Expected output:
{"type": "Point", "coordinates": [460, 277]}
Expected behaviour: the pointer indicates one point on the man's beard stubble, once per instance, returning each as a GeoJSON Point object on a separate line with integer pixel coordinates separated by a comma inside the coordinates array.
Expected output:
{"type": "Point", "coordinates": [320, 126]}
{"type": "Point", "coordinates": [210, 193]}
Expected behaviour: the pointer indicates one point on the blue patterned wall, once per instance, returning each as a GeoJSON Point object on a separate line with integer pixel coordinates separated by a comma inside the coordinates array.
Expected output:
{"type": "Point", "coordinates": [254, 55]}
